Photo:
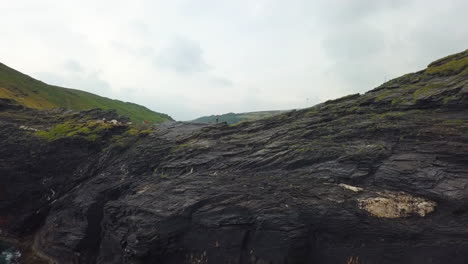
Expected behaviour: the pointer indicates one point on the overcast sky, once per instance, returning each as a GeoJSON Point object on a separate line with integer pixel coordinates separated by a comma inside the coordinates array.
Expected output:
{"type": "Point", "coordinates": [189, 58]}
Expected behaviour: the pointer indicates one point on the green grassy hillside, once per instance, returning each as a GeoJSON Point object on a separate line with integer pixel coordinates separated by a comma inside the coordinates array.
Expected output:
{"type": "Point", "coordinates": [36, 94]}
{"type": "Point", "coordinates": [233, 118]}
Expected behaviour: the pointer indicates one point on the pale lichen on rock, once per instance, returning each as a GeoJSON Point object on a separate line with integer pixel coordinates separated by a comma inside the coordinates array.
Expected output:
{"type": "Point", "coordinates": [396, 205]}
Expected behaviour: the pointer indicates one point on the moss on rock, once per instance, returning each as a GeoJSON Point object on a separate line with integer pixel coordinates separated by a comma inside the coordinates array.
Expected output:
{"type": "Point", "coordinates": [90, 130]}
{"type": "Point", "coordinates": [449, 68]}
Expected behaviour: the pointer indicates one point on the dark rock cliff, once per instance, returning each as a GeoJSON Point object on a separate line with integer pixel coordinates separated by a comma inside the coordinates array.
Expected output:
{"type": "Point", "coordinates": [374, 178]}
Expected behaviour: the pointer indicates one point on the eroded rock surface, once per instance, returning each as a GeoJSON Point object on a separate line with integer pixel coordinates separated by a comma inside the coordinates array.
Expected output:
{"type": "Point", "coordinates": [374, 178]}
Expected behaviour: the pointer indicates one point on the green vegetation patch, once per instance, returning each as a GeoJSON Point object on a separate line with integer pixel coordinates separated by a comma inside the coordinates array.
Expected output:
{"type": "Point", "coordinates": [91, 131]}
{"type": "Point", "coordinates": [134, 131]}
{"type": "Point", "coordinates": [383, 96]}
{"type": "Point", "coordinates": [396, 101]}
{"type": "Point", "coordinates": [312, 111]}
{"type": "Point", "coordinates": [464, 72]}
{"type": "Point", "coordinates": [391, 115]}
{"type": "Point", "coordinates": [181, 147]}
{"type": "Point", "coordinates": [36, 94]}
{"type": "Point", "coordinates": [429, 89]}
{"type": "Point", "coordinates": [369, 151]}
{"type": "Point", "coordinates": [455, 122]}
{"type": "Point", "coordinates": [449, 68]}
{"type": "Point", "coordinates": [238, 123]}
{"type": "Point", "coordinates": [354, 109]}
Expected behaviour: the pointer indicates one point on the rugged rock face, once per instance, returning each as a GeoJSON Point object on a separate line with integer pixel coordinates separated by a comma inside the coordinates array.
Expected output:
{"type": "Point", "coordinates": [374, 178]}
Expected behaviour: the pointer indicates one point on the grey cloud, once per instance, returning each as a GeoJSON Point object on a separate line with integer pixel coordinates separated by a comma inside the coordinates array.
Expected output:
{"type": "Point", "coordinates": [352, 43]}
{"type": "Point", "coordinates": [364, 47]}
{"type": "Point", "coordinates": [222, 82]}
{"type": "Point", "coordinates": [358, 76]}
{"type": "Point", "coordinates": [139, 27]}
{"type": "Point", "coordinates": [443, 33]}
{"type": "Point", "coordinates": [73, 66]}
{"type": "Point", "coordinates": [352, 52]}
{"type": "Point", "coordinates": [183, 56]}
{"type": "Point", "coordinates": [91, 82]}
{"type": "Point", "coordinates": [94, 82]}
{"type": "Point", "coordinates": [341, 12]}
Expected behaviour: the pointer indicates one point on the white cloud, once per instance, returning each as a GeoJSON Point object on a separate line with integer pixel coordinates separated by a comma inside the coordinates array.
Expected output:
{"type": "Point", "coordinates": [73, 66]}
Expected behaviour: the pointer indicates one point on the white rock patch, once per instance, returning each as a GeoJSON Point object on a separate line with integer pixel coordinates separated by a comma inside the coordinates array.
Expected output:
{"type": "Point", "coordinates": [351, 188]}
{"type": "Point", "coordinates": [28, 128]}
{"type": "Point", "coordinates": [396, 205]}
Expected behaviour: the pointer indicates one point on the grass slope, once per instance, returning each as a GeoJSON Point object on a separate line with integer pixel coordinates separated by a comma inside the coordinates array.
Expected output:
{"type": "Point", "coordinates": [36, 94]}
{"type": "Point", "coordinates": [233, 118]}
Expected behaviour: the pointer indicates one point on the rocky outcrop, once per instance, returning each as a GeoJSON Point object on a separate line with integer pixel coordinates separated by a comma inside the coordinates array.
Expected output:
{"type": "Point", "coordinates": [373, 178]}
